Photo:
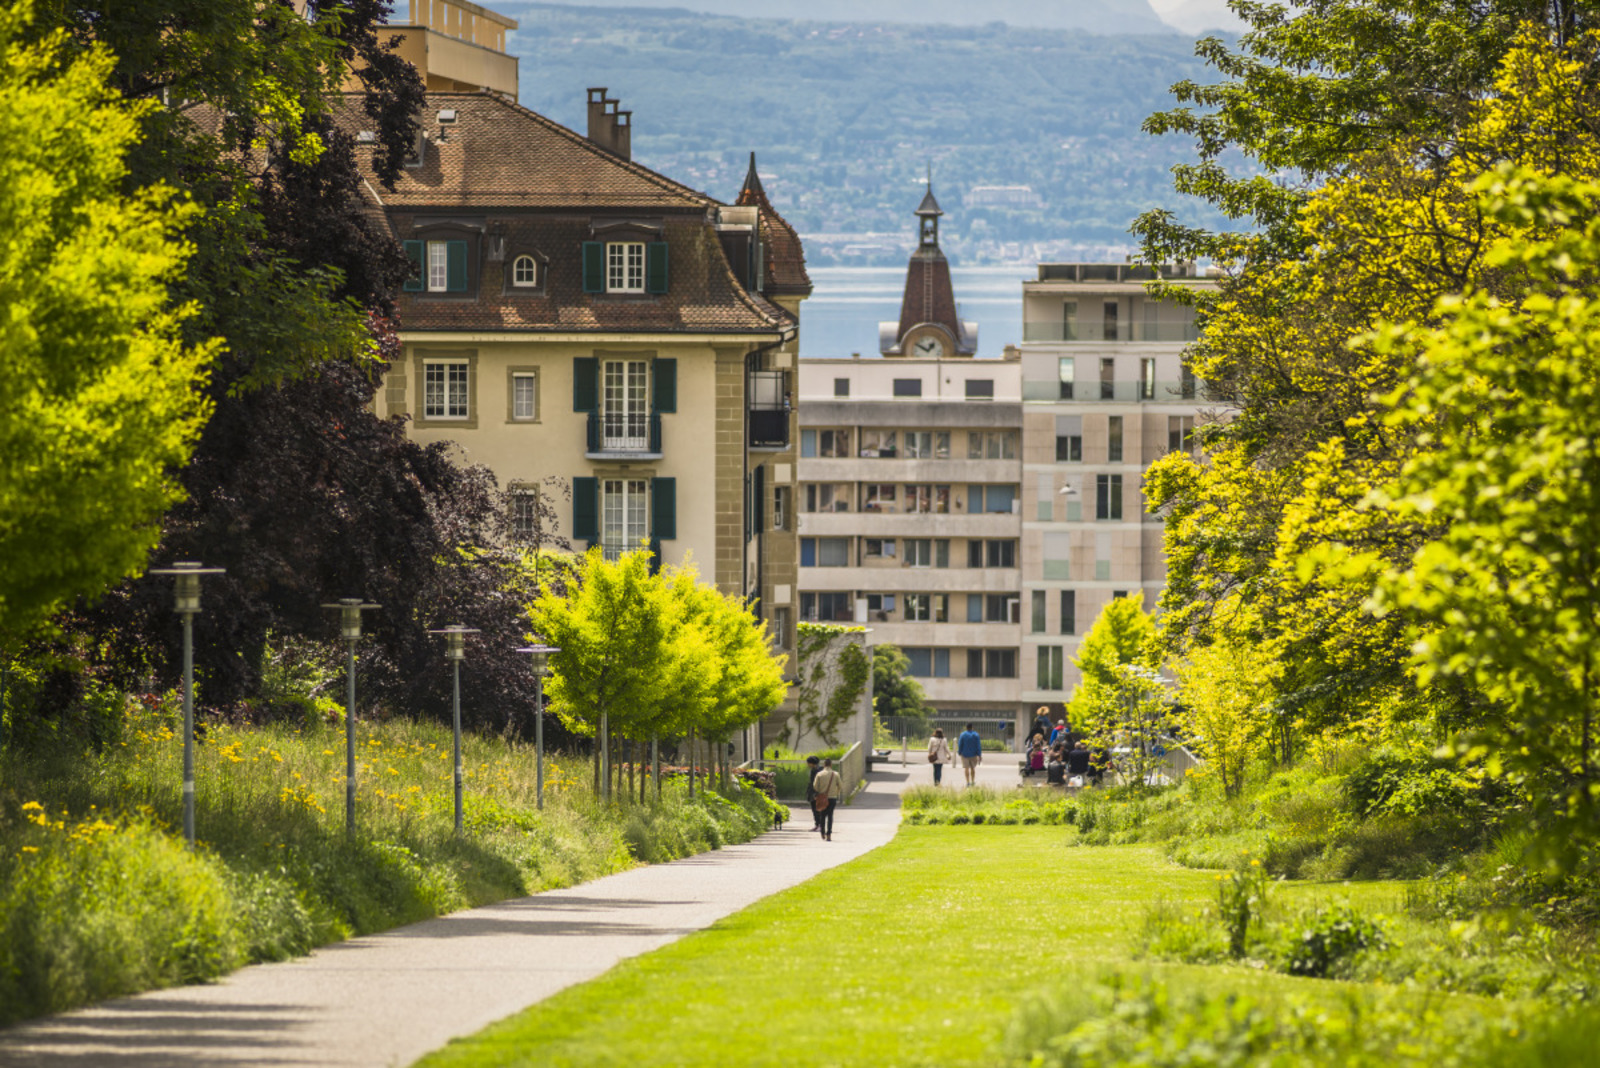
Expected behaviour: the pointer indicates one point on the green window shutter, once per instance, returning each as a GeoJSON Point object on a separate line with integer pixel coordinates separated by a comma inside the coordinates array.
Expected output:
{"type": "Point", "coordinates": [664, 508]}
{"type": "Point", "coordinates": [586, 509]}
{"type": "Point", "coordinates": [666, 386]}
{"type": "Point", "coordinates": [585, 384]}
{"type": "Point", "coordinates": [456, 261]}
{"type": "Point", "coordinates": [655, 267]}
{"type": "Point", "coordinates": [594, 267]}
{"type": "Point", "coordinates": [414, 252]}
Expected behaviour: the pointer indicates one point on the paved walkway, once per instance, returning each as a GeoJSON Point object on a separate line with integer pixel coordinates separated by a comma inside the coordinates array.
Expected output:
{"type": "Point", "coordinates": [387, 999]}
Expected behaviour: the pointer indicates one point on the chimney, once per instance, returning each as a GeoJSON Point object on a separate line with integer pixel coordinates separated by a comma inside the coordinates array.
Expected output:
{"type": "Point", "coordinates": [609, 128]}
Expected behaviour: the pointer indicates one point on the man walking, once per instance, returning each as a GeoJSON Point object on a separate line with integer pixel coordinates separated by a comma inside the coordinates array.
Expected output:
{"type": "Point", "coordinates": [969, 747]}
{"type": "Point", "coordinates": [829, 791]}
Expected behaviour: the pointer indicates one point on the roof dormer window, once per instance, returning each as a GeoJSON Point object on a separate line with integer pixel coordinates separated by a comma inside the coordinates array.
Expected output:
{"type": "Point", "coordinates": [625, 267]}
{"type": "Point", "coordinates": [525, 272]}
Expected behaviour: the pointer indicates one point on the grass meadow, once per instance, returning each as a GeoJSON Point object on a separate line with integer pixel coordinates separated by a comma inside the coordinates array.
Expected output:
{"type": "Point", "coordinates": [99, 897]}
{"type": "Point", "coordinates": [1007, 945]}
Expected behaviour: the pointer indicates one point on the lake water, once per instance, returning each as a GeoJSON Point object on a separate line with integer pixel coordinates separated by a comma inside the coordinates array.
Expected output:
{"type": "Point", "coordinates": [847, 303]}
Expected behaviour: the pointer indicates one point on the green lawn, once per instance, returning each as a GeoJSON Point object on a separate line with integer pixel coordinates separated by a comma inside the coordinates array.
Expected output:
{"type": "Point", "coordinates": [916, 954]}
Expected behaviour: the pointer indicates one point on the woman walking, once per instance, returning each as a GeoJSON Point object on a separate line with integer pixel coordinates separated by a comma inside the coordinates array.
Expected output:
{"type": "Point", "coordinates": [939, 753]}
{"type": "Point", "coordinates": [830, 788]}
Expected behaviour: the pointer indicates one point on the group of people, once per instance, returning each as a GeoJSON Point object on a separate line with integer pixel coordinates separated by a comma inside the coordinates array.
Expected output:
{"type": "Point", "coordinates": [969, 750]}
{"type": "Point", "coordinates": [1063, 755]}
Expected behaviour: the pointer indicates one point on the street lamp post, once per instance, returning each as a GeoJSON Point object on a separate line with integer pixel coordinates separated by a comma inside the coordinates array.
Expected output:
{"type": "Point", "coordinates": [186, 602]}
{"type": "Point", "coordinates": [540, 662]}
{"type": "Point", "coordinates": [455, 650]}
{"type": "Point", "coordinates": [350, 609]}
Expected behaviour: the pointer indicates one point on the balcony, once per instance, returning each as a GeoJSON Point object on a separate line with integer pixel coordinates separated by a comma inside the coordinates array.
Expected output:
{"type": "Point", "coordinates": [1056, 330]}
{"type": "Point", "coordinates": [634, 436]}
{"type": "Point", "coordinates": [1121, 391]}
{"type": "Point", "coordinates": [767, 417]}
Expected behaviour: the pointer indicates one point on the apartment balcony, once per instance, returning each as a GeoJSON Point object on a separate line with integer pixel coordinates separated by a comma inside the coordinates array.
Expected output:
{"type": "Point", "coordinates": [946, 692]}
{"type": "Point", "coordinates": [957, 637]}
{"type": "Point", "coordinates": [635, 436]}
{"type": "Point", "coordinates": [1117, 391]}
{"type": "Point", "coordinates": [1056, 331]}
{"type": "Point", "coordinates": [902, 469]}
{"type": "Point", "coordinates": [913, 525]}
{"type": "Point", "coordinates": [767, 416]}
{"type": "Point", "coordinates": [889, 578]}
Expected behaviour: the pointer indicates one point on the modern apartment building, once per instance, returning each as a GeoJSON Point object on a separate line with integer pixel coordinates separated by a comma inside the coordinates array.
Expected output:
{"type": "Point", "coordinates": [1104, 393]}
{"type": "Point", "coordinates": [909, 517]}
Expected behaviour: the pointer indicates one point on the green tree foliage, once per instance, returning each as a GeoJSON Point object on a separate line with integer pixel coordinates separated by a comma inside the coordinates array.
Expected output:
{"type": "Point", "coordinates": [1504, 404]}
{"type": "Point", "coordinates": [1226, 692]}
{"type": "Point", "coordinates": [99, 396]}
{"type": "Point", "coordinates": [1122, 635]}
{"type": "Point", "coordinates": [894, 691]}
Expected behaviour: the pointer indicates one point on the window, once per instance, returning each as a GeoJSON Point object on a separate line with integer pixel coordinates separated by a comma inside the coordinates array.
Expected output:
{"type": "Point", "coordinates": [980, 389]}
{"type": "Point", "coordinates": [524, 272]}
{"type": "Point", "coordinates": [1049, 677]}
{"type": "Point", "coordinates": [991, 663]}
{"type": "Point", "coordinates": [974, 608]}
{"type": "Point", "coordinates": [1180, 433]}
{"type": "Point", "coordinates": [625, 267]}
{"type": "Point", "coordinates": [927, 445]}
{"type": "Point", "coordinates": [1114, 439]}
{"type": "Point", "coordinates": [880, 547]}
{"type": "Point", "coordinates": [994, 499]}
{"type": "Point", "coordinates": [1069, 611]}
{"type": "Point", "coordinates": [525, 515]}
{"type": "Point", "coordinates": [841, 387]}
{"type": "Point", "coordinates": [1108, 496]}
{"type": "Point", "coordinates": [808, 443]}
{"type": "Point", "coordinates": [923, 497]}
{"type": "Point", "coordinates": [780, 508]}
{"type": "Point", "coordinates": [878, 497]}
{"type": "Point", "coordinates": [622, 515]}
{"type": "Point", "coordinates": [927, 608]}
{"type": "Point", "coordinates": [1186, 383]}
{"type": "Point", "coordinates": [826, 608]}
{"type": "Point", "coordinates": [1069, 324]}
{"type": "Point", "coordinates": [824, 552]}
{"type": "Point", "coordinates": [880, 606]}
{"type": "Point", "coordinates": [1000, 553]}
{"type": "Point", "coordinates": [625, 416]}
{"type": "Point", "coordinates": [1038, 621]}
{"type": "Point", "coordinates": [1111, 320]}
{"type": "Point", "coordinates": [1069, 447]}
{"type": "Point", "coordinates": [525, 396]}
{"type": "Point", "coordinates": [927, 552]}
{"type": "Point", "coordinates": [992, 445]}
{"type": "Point", "coordinates": [908, 387]}
{"type": "Point", "coordinates": [1057, 546]}
{"type": "Point", "coordinates": [780, 626]}
{"type": "Point", "coordinates": [444, 389]}
{"type": "Point", "coordinates": [928, 663]}
{"type": "Point", "coordinates": [1147, 378]}
{"type": "Point", "coordinates": [1108, 379]}
{"type": "Point", "coordinates": [999, 608]}
{"type": "Point", "coordinates": [834, 443]}
{"type": "Point", "coordinates": [828, 497]}
{"type": "Point", "coordinates": [438, 266]}
{"type": "Point", "coordinates": [1066, 371]}
{"type": "Point", "coordinates": [878, 444]}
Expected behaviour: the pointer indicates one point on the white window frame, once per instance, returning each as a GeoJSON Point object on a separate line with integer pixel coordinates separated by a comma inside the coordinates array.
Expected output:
{"type": "Point", "coordinates": [440, 381]}
{"type": "Point", "coordinates": [524, 412]}
{"type": "Point", "coordinates": [625, 405]}
{"type": "Point", "coordinates": [625, 267]}
{"type": "Point", "coordinates": [624, 515]}
{"type": "Point", "coordinates": [438, 266]}
{"type": "Point", "coordinates": [517, 279]}
{"type": "Point", "coordinates": [524, 514]}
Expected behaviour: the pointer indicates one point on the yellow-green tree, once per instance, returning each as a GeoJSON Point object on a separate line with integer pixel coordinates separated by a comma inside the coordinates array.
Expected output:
{"type": "Point", "coordinates": [1226, 692]}
{"type": "Point", "coordinates": [99, 399]}
{"type": "Point", "coordinates": [1122, 635]}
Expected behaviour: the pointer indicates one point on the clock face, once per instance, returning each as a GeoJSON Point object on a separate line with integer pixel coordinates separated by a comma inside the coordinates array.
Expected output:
{"type": "Point", "coordinates": [931, 347]}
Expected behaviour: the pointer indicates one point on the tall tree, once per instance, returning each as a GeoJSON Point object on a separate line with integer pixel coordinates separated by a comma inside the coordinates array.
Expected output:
{"type": "Point", "coordinates": [99, 397]}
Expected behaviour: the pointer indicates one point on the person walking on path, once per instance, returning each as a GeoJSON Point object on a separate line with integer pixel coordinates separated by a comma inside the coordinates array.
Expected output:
{"type": "Point", "coordinates": [970, 748]}
{"type": "Point", "coordinates": [939, 753]}
{"type": "Point", "coordinates": [813, 766]}
{"type": "Point", "coordinates": [829, 786]}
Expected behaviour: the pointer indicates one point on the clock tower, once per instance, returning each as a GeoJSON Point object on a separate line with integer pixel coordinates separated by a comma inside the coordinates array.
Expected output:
{"type": "Point", "coordinates": [929, 327]}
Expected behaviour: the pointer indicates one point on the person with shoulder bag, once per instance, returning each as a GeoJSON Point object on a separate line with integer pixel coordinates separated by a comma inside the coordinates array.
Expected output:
{"type": "Point", "coordinates": [939, 753]}
{"type": "Point", "coordinates": [829, 785]}
{"type": "Point", "coordinates": [813, 768]}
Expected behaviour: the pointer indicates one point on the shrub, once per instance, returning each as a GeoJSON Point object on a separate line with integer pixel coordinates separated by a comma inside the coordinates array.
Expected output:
{"type": "Point", "coordinates": [1328, 939]}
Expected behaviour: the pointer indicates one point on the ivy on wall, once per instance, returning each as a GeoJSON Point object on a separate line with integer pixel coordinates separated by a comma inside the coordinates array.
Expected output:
{"type": "Point", "coordinates": [834, 672]}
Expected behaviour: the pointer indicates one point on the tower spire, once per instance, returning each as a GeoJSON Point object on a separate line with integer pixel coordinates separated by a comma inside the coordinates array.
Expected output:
{"type": "Point", "coordinates": [752, 180]}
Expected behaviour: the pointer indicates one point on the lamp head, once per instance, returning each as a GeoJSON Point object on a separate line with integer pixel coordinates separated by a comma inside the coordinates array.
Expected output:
{"type": "Point", "coordinates": [350, 609]}
{"type": "Point", "coordinates": [539, 658]}
{"type": "Point", "coordinates": [186, 584]}
{"type": "Point", "coordinates": [455, 640]}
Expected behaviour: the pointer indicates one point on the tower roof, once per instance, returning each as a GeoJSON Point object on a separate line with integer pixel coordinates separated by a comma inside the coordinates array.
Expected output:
{"type": "Point", "coordinates": [785, 260]}
{"type": "Point", "coordinates": [929, 206]}
{"type": "Point", "coordinates": [752, 183]}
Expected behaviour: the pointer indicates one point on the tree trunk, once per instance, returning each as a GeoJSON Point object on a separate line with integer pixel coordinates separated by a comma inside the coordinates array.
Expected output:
{"type": "Point", "coordinates": [655, 759]}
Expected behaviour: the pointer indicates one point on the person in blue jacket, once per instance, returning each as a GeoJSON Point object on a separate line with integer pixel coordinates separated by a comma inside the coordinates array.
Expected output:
{"type": "Point", "coordinates": [969, 747]}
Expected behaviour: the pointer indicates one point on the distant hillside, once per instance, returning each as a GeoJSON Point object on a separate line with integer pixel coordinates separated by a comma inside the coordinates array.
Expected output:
{"type": "Point", "coordinates": [846, 117]}
{"type": "Point", "coordinates": [1096, 16]}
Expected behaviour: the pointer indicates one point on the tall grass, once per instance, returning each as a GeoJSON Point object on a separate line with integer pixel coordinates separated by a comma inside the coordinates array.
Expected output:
{"type": "Point", "coordinates": [98, 895]}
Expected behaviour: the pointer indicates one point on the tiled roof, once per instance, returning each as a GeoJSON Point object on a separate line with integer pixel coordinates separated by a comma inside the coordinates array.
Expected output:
{"type": "Point", "coordinates": [929, 296]}
{"type": "Point", "coordinates": [786, 259]}
{"type": "Point", "coordinates": [702, 294]}
{"type": "Point", "coordinates": [500, 154]}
